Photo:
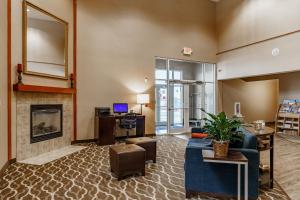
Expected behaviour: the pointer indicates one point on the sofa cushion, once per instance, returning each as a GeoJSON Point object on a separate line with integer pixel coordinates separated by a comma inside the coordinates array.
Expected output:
{"type": "Point", "coordinates": [199, 135]}
{"type": "Point", "coordinates": [200, 142]}
{"type": "Point", "coordinates": [219, 178]}
{"type": "Point", "coordinates": [197, 130]}
{"type": "Point", "coordinates": [250, 140]}
{"type": "Point", "coordinates": [236, 144]}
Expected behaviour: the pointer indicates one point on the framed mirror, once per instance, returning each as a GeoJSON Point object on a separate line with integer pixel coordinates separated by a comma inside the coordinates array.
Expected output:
{"type": "Point", "coordinates": [45, 43]}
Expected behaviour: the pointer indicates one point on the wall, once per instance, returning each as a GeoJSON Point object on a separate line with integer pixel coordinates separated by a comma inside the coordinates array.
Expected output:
{"type": "Point", "coordinates": [240, 22]}
{"type": "Point", "coordinates": [118, 42]}
{"type": "Point", "coordinates": [62, 9]}
{"type": "Point", "coordinates": [289, 86]}
{"type": "Point", "coordinates": [259, 99]}
{"type": "Point", "coordinates": [3, 83]}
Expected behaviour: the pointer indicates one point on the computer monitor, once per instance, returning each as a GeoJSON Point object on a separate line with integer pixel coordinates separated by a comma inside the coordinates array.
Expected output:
{"type": "Point", "coordinates": [120, 108]}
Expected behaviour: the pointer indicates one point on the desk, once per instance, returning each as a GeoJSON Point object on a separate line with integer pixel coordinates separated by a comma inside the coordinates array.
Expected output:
{"type": "Point", "coordinates": [105, 127]}
{"type": "Point", "coordinates": [234, 157]}
{"type": "Point", "coordinates": [266, 134]}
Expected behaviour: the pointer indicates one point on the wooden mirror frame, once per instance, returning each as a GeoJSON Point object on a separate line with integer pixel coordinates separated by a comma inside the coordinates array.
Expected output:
{"type": "Point", "coordinates": [27, 4]}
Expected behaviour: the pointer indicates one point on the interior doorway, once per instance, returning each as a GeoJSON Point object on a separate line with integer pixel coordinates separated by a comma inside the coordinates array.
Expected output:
{"type": "Point", "coordinates": [182, 88]}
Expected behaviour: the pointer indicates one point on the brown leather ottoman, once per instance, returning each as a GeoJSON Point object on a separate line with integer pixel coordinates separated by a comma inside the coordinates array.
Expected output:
{"type": "Point", "coordinates": [148, 144]}
{"type": "Point", "coordinates": [127, 159]}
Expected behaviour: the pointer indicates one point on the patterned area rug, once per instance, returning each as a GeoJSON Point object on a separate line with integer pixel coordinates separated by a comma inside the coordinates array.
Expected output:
{"type": "Point", "coordinates": [86, 175]}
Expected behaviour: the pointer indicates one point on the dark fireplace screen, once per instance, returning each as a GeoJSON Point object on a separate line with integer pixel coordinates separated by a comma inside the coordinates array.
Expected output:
{"type": "Point", "coordinates": [46, 122]}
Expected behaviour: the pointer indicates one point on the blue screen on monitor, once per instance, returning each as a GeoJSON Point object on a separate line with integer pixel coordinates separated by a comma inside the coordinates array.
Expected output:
{"type": "Point", "coordinates": [120, 108]}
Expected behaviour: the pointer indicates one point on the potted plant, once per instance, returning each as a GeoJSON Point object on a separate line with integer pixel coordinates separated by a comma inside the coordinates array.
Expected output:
{"type": "Point", "coordinates": [222, 130]}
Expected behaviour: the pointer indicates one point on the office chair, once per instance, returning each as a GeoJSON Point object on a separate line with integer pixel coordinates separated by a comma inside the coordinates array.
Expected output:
{"type": "Point", "coordinates": [128, 122]}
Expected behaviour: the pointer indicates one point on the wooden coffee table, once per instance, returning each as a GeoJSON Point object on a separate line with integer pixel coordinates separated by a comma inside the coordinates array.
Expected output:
{"type": "Point", "coordinates": [234, 157]}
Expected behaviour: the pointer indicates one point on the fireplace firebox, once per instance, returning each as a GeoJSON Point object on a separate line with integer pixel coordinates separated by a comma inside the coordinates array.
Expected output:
{"type": "Point", "coordinates": [46, 122]}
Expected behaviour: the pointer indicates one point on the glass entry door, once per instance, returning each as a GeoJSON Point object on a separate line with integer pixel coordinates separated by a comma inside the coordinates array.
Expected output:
{"type": "Point", "coordinates": [177, 108]}
{"type": "Point", "coordinates": [181, 90]}
{"type": "Point", "coordinates": [161, 108]}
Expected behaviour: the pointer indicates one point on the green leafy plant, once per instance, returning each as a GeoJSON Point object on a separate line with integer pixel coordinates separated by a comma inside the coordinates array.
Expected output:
{"type": "Point", "coordinates": [221, 128]}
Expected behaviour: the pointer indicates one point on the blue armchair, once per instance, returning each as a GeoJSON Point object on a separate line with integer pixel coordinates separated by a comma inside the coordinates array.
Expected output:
{"type": "Point", "coordinates": [219, 179]}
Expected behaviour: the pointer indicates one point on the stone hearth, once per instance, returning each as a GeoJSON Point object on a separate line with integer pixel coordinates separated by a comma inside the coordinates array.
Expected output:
{"type": "Point", "coordinates": [26, 149]}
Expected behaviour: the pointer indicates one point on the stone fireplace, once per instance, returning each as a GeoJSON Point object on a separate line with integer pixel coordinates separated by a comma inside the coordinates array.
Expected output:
{"type": "Point", "coordinates": [45, 122]}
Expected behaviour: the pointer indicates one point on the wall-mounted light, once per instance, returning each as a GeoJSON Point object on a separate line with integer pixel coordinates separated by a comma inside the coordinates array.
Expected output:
{"type": "Point", "coordinates": [28, 9]}
{"type": "Point", "coordinates": [275, 52]}
{"type": "Point", "coordinates": [146, 79]}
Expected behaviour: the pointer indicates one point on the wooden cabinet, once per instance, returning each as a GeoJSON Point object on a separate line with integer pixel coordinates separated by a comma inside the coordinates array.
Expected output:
{"type": "Point", "coordinates": [104, 130]}
{"type": "Point", "coordinates": [140, 126]}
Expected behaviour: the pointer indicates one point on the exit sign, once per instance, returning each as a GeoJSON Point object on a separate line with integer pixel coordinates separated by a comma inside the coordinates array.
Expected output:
{"type": "Point", "coordinates": [187, 51]}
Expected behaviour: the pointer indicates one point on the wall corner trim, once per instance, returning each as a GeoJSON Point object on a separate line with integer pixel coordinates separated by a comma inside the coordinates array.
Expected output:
{"type": "Point", "coordinates": [9, 80]}
{"type": "Point", "coordinates": [7, 164]}
{"type": "Point", "coordinates": [75, 68]}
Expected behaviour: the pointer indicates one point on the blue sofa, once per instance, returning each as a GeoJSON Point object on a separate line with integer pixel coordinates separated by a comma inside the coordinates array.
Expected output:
{"type": "Point", "coordinates": [220, 179]}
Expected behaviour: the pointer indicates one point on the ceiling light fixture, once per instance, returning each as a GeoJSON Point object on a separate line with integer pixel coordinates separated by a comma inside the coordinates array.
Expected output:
{"type": "Point", "coordinates": [275, 52]}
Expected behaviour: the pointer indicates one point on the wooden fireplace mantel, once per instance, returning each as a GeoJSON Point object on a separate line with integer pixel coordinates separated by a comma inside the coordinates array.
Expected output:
{"type": "Point", "coordinates": [42, 89]}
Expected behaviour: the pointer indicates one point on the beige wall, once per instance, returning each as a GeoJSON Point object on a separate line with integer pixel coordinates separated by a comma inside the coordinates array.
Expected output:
{"type": "Point", "coordinates": [240, 22]}
{"type": "Point", "coordinates": [289, 86]}
{"type": "Point", "coordinates": [259, 99]}
{"type": "Point", "coordinates": [62, 9]}
{"type": "Point", "coordinates": [3, 83]}
{"type": "Point", "coordinates": [118, 42]}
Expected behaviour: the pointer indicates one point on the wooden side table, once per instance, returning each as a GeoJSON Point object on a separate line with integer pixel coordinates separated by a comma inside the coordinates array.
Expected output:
{"type": "Point", "coordinates": [268, 133]}
{"type": "Point", "coordinates": [234, 157]}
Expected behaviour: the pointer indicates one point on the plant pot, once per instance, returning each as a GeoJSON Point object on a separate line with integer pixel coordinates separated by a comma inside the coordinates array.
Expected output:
{"type": "Point", "coordinates": [221, 148]}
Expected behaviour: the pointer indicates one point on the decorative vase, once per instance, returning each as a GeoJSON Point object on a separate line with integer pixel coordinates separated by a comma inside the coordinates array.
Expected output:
{"type": "Point", "coordinates": [221, 148]}
{"type": "Point", "coordinates": [20, 71]}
